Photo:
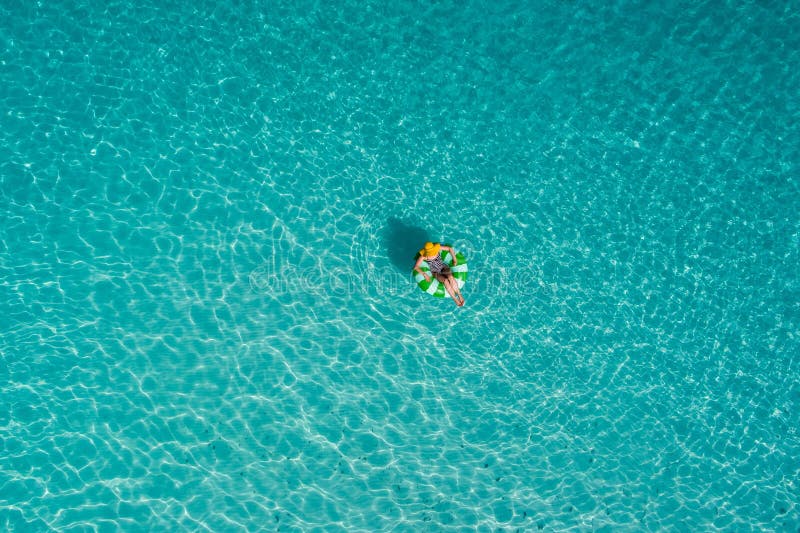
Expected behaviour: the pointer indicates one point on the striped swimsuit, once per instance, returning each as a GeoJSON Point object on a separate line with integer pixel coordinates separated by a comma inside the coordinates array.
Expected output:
{"type": "Point", "coordinates": [437, 265]}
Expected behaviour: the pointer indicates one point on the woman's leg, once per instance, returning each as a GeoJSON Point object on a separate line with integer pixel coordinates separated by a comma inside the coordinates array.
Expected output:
{"type": "Point", "coordinates": [454, 283]}
{"type": "Point", "coordinates": [448, 285]}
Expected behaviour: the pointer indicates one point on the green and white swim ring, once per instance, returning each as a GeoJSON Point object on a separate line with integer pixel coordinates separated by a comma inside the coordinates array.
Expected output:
{"type": "Point", "coordinates": [433, 287]}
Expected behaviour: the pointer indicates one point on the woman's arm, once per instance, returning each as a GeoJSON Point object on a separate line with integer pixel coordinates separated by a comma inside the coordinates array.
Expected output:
{"type": "Point", "coordinates": [452, 252]}
{"type": "Point", "coordinates": [418, 269]}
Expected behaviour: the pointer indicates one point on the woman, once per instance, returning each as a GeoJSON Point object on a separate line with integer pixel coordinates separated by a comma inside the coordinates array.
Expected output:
{"type": "Point", "coordinates": [442, 272]}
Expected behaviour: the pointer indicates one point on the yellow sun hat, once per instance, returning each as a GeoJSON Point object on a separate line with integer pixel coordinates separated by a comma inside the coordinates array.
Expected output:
{"type": "Point", "coordinates": [430, 249]}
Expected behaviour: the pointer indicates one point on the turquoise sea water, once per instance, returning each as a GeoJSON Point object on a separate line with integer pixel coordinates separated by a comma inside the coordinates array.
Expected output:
{"type": "Point", "coordinates": [208, 215]}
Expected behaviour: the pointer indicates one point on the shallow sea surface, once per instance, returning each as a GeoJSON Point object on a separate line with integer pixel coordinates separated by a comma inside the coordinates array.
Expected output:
{"type": "Point", "coordinates": [208, 216]}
